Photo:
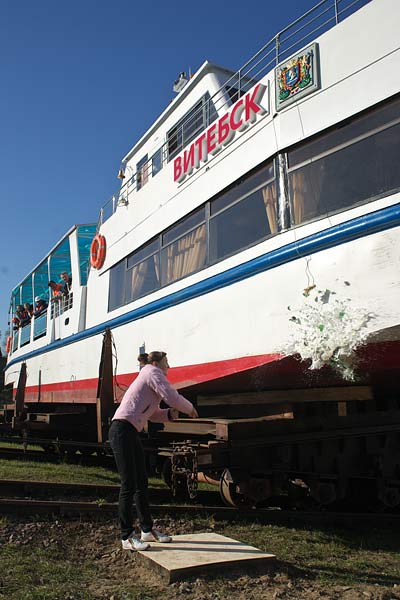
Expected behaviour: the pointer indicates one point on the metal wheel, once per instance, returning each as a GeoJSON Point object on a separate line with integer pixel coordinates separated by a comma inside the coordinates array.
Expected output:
{"type": "Point", "coordinates": [229, 494]}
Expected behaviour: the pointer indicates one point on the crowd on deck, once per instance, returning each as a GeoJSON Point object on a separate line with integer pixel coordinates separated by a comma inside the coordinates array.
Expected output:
{"type": "Point", "coordinates": [59, 291]}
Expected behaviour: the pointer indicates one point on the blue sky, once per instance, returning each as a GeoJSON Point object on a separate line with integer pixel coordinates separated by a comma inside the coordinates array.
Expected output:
{"type": "Point", "coordinates": [81, 81]}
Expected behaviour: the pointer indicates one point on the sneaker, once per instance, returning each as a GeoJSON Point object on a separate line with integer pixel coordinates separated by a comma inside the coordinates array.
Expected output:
{"type": "Point", "coordinates": [133, 543]}
{"type": "Point", "coordinates": [155, 536]}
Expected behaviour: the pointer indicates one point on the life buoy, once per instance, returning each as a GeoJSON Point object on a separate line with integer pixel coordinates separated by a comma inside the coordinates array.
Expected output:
{"type": "Point", "coordinates": [8, 344]}
{"type": "Point", "coordinates": [98, 251]}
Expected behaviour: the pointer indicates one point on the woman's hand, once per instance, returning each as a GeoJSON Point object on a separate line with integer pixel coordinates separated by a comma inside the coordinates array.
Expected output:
{"type": "Point", "coordinates": [194, 414]}
{"type": "Point", "coordinates": [173, 414]}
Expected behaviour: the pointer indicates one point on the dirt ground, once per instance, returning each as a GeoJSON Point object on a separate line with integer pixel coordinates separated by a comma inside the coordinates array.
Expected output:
{"type": "Point", "coordinates": [73, 560]}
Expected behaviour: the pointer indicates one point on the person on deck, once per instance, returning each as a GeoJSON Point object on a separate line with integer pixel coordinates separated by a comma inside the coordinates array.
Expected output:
{"type": "Point", "coordinates": [29, 308]}
{"type": "Point", "coordinates": [56, 289]}
{"type": "Point", "coordinates": [66, 283]}
{"type": "Point", "coordinates": [21, 318]}
{"type": "Point", "coordinates": [40, 306]}
{"type": "Point", "coordinates": [17, 318]}
{"type": "Point", "coordinates": [141, 402]}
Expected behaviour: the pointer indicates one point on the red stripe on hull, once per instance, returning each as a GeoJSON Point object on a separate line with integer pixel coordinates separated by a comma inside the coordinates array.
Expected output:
{"type": "Point", "coordinates": [249, 373]}
{"type": "Point", "coordinates": [84, 390]}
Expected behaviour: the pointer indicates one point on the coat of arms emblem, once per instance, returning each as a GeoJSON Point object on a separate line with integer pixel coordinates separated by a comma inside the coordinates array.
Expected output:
{"type": "Point", "coordinates": [296, 76]}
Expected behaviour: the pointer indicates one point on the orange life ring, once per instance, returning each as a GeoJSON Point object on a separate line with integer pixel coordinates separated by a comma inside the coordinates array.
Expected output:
{"type": "Point", "coordinates": [98, 251]}
{"type": "Point", "coordinates": [8, 344]}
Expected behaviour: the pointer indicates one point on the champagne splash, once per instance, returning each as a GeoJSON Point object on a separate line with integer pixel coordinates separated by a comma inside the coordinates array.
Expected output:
{"type": "Point", "coordinates": [327, 331]}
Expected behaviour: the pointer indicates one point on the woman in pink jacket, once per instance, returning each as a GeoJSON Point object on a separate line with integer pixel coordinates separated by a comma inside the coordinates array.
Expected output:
{"type": "Point", "coordinates": [141, 402]}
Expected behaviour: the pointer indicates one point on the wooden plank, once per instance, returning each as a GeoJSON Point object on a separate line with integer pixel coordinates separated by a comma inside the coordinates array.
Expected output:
{"type": "Point", "coordinates": [249, 429]}
{"type": "Point", "coordinates": [201, 554]}
{"type": "Point", "coordinates": [190, 427]}
{"type": "Point", "coordinates": [331, 394]}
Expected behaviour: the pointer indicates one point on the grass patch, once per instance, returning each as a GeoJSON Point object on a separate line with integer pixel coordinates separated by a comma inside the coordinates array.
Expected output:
{"type": "Point", "coordinates": [42, 575]}
{"type": "Point", "coordinates": [71, 560]}
{"type": "Point", "coordinates": [62, 472]}
{"type": "Point", "coordinates": [346, 556]}
{"type": "Point", "coordinates": [19, 445]}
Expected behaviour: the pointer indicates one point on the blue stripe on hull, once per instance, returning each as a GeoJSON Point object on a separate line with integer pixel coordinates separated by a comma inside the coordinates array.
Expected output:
{"type": "Point", "coordinates": [368, 224]}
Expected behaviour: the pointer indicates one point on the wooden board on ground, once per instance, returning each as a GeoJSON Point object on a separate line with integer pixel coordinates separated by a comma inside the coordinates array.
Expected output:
{"type": "Point", "coordinates": [200, 554]}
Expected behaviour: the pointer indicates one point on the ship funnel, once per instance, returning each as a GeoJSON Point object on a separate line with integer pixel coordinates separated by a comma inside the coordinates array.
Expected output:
{"type": "Point", "coordinates": [180, 83]}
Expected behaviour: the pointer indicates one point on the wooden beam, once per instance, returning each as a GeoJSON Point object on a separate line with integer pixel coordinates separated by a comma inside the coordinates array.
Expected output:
{"type": "Point", "coordinates": [105, 407]}
{"type": "Point", "coordinates": [331, 394]}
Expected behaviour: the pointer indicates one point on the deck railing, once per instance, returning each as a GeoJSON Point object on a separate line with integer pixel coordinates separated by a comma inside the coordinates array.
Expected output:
{"type": "Point", "coordinates": [322, 17]}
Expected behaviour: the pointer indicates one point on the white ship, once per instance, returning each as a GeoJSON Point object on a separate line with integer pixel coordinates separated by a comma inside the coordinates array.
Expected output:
{"type": "Point", "coordinates": [248, 190]}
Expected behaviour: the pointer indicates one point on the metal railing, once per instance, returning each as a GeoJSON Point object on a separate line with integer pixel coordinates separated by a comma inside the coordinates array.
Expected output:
{"type": "Point", "coordinates": [61, 304]}
{"type": "Point", "coordinates": [319, 19]}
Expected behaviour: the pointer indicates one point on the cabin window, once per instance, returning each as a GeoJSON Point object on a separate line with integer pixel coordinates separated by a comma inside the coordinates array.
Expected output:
{"type": "Point", "coordinates": [156, 162]}
{"type": "Point", "coordinates": [142, 172]}
{"type": "Point", "coordinates": [184, 247]}
{"type": "Point", "coordinates": [135, 276]}
{"type": "Point", "coordinates": [143, 272]}
{"type": "Point", "coordinates": [244, 214]}
{"type": "Point", "coordinates": [116, 295]}
{"type": "Point", "coordinates": [191, 125]}
{"type": "Point", "coordinates": [347, 166]}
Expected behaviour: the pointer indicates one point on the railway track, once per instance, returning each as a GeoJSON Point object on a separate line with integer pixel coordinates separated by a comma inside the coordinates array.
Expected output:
{"type": "Point", "coordinates": [23, 498]}
{"type": "Point", "coordinates": [56, 457]}
{"type": "Point", "coordinates": [22, 489]}
{"type": "Point", "coordinates": [63, 508]}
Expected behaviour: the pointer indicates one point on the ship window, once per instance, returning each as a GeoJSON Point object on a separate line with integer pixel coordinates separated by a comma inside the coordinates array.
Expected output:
{"type": "Point", "coordinates": [116, 296]}
{"type": "Point", "coordinates": [243, 215]}
{"type": "Point", "coordinates": [156, 162]}
{"type": "Point", "coordinates": [184, 225]}
{"type": "Point", "coordinates": [233, 93]}
{"type": "Point", "coordinates": [142, 172]}
{"type": "Point", "coordinates": [191, 125]}
{"type": "Point", "coordinates": [351, 173]}
{"type": "Point", "coordinates": [184, 256]}
{"type": "Point", "coordinates": [135, 276]}
{"type": "Point", "coordinates": [143, 278]}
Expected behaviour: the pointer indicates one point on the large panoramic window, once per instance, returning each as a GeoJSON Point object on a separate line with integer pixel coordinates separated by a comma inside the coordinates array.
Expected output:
{"type": "Point", "coordinates": [243, 215]}
{"type": "Point", "coordinates": [191, 125]}
{"type": "Point", "coordinates": [353, 164]}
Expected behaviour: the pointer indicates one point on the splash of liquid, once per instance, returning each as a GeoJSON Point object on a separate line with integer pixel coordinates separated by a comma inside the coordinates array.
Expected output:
{"type": "Point", "coordinates": [328, 330]}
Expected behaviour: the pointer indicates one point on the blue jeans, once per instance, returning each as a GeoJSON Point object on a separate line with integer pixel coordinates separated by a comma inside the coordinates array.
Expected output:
{"type": "Point", "coordinates": [129, 457]}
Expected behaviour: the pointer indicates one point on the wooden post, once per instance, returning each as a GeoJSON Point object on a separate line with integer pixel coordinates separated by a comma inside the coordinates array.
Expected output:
{"type": "Point", "coordinates": [105, 389]}
{"type": "Point", "coordinates": [19, 411]}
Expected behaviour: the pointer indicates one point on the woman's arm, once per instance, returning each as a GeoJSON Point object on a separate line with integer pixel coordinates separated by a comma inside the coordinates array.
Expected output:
{"type": "Point", "coordinates": [161, 386]}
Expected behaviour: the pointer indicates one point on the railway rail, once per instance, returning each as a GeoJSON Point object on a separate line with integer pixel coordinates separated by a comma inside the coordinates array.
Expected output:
{"type": "Point", "coordinates": [56, 457]}
{"type": "Point", "coordinates": [23, 489]}
{"type": "Point", "coordinates": [25, 507]}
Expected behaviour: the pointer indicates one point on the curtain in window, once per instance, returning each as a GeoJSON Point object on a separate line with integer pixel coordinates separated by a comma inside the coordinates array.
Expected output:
{"type": "Point", "coordinates": [143, 174]}
{"type": "Point", "coordinates": [187, 254]}
{"type": "Point", "coordinates": [270, 207]}
{"type": "Point", "coordinates": [137, 277]}
{"type": "Point", "coordinates": [306, 186]}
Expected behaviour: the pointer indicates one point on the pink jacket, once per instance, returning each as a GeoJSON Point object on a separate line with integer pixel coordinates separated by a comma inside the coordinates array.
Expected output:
{"type": "Point", "coordinates": [141, 401]}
